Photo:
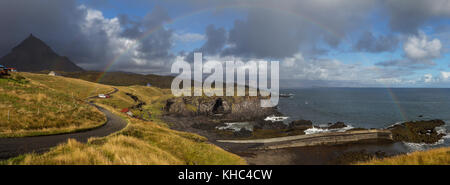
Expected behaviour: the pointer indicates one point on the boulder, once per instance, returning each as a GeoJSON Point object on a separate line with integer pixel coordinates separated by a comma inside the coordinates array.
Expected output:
{"type": "Point", "coordinates": [266, 125]}
{"type": "Point", "coordinates": [417, 131]}
{"type": "Point", "coordinates": [243, 133]}
{"type": "Point", "coordinates": [300, 125]}
{"type": "Point", "coordinates": [337, 125]}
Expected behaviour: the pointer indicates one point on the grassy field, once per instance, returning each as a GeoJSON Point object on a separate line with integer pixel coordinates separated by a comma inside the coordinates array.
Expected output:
{"type": "Point", "coordinates": [33, 104]}
{"type": "Point", "coordinates": [439, 156]}
{"type": "Point", "coordinates": [141, 142]}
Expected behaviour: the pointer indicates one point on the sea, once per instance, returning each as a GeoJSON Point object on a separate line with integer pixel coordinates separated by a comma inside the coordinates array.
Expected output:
{"type": "Point", "coordinates": [369, 108]}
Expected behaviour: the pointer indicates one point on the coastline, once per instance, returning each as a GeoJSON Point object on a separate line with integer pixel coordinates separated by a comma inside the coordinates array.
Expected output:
{"type": "Point", "coordinates": [344, 153]}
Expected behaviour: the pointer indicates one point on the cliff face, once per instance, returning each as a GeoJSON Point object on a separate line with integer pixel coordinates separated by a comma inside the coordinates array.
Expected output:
{"type": "Point", "coordinates": [230, 108]}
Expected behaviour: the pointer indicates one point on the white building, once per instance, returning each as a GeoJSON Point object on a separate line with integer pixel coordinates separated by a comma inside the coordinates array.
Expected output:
{"type": "Point", "coordinates": [52, 73]}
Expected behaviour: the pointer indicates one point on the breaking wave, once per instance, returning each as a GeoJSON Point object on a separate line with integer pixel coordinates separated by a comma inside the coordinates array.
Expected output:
{"type": "Point", "coordinates": [236, 126]}
{"type": "Point", "coordinates": [276, 118]}
{"type": "Point", "coordinates": [316, 130]}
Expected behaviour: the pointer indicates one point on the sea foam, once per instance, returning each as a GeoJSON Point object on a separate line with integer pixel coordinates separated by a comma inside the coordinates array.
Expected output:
{"type": "Point", "coordinates": [316, 130]}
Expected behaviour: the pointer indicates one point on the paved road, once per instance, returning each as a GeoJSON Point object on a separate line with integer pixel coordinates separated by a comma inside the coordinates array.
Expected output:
{"type": "Point", "coordinates": [11, 147]}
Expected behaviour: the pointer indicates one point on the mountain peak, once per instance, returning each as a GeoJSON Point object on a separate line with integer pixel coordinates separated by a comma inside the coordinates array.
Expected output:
{"type": "Point", "coordinates": [33, 43]}
{"type": "Point", "coordinates": [33, 54]}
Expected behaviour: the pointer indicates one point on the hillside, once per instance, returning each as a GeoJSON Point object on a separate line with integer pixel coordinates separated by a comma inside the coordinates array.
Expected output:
{"type": "Point", "coordinates": [439, 156]}
{"type": "Point", "coordinates": [121, 78]}
{"type": "Point", "coordinates": [33, 54]}
{"type": "Point", "coordinates": [33, 104]}
{"type": "Point", "coordinates": [141, 142]}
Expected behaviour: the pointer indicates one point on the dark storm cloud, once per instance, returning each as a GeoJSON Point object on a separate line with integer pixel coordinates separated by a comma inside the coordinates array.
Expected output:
{"type": "Point", "coordinates": [216, 38]}
{"type": "Point", "coordinates": [369, 43]}
{"type": "Point", "coordinates": [84, 35]}
{"type": "Point", "coordinates": [408, 16]}
{"type": "Point", "coordinates": [55, 22]}
{"type": "Point", "coordinates": [264, 34]}
{"type": "Point", "coordinates": [155, 40]}
{"type": "Point", "coordinates": [278, 29]}
{"type": "Point", "coordinates": [282, 28]}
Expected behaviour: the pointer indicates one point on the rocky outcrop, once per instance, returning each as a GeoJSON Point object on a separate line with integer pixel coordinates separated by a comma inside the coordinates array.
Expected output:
{"type": "Point", "coordinates": [227, 108]}
{"type": "Point", "coordinates": [418, 131]}
{"type": "Point", "coordinates": [300, 124]}
{"type": "Point", "coordinates": [268, 125]}
{"type": "Point", "coordinates": [337, 125]}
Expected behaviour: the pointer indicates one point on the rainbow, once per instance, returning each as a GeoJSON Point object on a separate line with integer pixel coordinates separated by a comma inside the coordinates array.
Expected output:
{"type": "Point", "coordinates": [204, 10]}
{"type": "Point", "coordinates": [397, 104]}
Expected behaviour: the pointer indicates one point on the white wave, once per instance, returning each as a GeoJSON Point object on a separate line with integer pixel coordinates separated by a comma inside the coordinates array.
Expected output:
{"type": "Point", "coordinates": [396, 123]}
{"type": "Point", "coordinates": [423, 146]}
{"type": "Point", "coordinates": [316, 130]}
{"type": "Point", "coordinates": [441, 130]}
{"type": "Point", "coordinates": [276, 118]}
{"type": "Point", "coordinates": [236, 126]}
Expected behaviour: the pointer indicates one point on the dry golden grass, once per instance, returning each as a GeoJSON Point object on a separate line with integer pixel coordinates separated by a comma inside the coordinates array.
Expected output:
{"type": "Point", "coordinates": [41, 105]}
{"type": "Point", "coordinates": [439, 156]}
{"type": "Point", "coordinates": [141, 142]}
{"type": "Point", "coordinates": [73, 87]}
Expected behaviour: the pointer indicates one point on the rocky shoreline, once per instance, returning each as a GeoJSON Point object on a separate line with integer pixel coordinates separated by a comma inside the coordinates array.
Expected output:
{"type": "Point", "coordinates": [212, 117]}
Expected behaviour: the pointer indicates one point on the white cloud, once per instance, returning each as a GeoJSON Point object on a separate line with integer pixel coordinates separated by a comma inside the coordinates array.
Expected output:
{"type": "Point", "coordinates": [388, 80]}
{"type": "Point", "coordinates": [427, 78]}
{"type": "Point", "coordinates": [297, 67]}
{"type": "Point", "coordinates": [123, 51]}
{"type": "Point", "coordinates": [444, 76]}
{"type": "Point", "coordinates": [420, 48]}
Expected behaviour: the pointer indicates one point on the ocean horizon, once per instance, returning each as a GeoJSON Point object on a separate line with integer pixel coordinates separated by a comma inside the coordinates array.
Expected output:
{"type": "Point", "coordinates": [368, 107]}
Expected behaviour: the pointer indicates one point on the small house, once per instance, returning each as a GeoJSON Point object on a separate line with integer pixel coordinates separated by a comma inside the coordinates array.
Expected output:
{"type": "Point", "coordinates": [52, 73]}
{"type": "Point", "coordinates": [130, 113]}
{"type": "Point", "coordinates": [3, 70]}
{"type": "Point", "coordinates": [127, 111]}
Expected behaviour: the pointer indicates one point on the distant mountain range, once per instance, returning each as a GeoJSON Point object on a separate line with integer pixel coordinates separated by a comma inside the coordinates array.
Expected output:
{"type": "Point", "coordinates": [33, 54]}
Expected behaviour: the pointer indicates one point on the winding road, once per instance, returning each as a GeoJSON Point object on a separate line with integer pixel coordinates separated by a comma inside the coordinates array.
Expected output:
{"type": "Point", "coordinates": [11, 147]}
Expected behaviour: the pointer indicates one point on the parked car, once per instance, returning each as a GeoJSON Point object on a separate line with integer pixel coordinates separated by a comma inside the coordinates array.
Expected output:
{"type": "Point", "coordinates": [103, 96]}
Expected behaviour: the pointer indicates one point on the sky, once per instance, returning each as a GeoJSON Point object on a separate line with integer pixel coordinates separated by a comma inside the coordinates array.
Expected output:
{"type": "Point", "coordinates": [339, 43]}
